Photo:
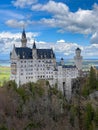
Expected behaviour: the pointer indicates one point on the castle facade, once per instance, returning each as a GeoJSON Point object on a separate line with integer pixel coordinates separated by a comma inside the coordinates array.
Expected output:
{"type": "Point", "coordinates": [33, 64]}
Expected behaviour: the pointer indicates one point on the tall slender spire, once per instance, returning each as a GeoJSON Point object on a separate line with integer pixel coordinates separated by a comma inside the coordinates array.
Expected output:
{"type": "Point", "coordinates": [34, 45]}
{"type": "Point", "coordinates": [34, 51]}
{"type": "Point", "coordinates": [23, 33]}
{"type": "Point", "coordinates": [23, 38]}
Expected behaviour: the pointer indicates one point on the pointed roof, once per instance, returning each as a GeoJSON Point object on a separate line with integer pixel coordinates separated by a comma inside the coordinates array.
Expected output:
{"type": "Point", "coordinates": [23, 34]}
{"type": "Point", "coordinates": [34, 45]}
{"type": "Point", "coordinates": [62, 58]}
{"type": "Point", "coordinates": [78, 49]}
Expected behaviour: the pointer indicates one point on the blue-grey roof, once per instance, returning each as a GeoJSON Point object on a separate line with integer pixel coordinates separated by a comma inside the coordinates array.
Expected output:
{"type": "Point", "coordinates": [45, 53]}
{"type": "Point", "coordinates": [69, 66]}
{"type": "Point", "coordinates": [26, 53]}
{"type": "Point", "coordinates": [78, 49]}
{"type": "Point", "coordinates": [62, 58]}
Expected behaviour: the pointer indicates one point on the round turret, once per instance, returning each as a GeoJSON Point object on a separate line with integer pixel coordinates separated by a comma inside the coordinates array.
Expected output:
{"type": "Point", "coordinates": [78, 52]}
{"type": "Point", "coordinates": [78, 59]}
{"type": "Point", "coordinates": [62, 61]}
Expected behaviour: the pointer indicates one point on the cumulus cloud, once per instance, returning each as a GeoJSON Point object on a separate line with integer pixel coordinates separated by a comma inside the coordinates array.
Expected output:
{"type": "Point", "coordinates": [52, 7]}
{"type": "Point", "coordinates": [60, 47]}
{"type": "Point", "coordinates": [90, 51]}
{"type": "Point", "coordinates": [15, 23]}
{"type": "Point", "coordinates": [67, 49]}
{"type": "Point", "coordinates": [7, 39]}
{"type": "Point", "coordinates": [94, 38]}
{"type": "Point", "coordinates": [23, 3]}
{"type": "Point", "coordinates": [81, 21]}
{"type": "Point", "coordinates": [18, 23]}
{"type": "Point", "coordinates": [10, 14]}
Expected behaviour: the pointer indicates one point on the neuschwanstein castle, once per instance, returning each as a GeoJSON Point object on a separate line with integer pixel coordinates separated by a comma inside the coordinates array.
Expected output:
{"type": "Point", "coordinates": [33, 64]}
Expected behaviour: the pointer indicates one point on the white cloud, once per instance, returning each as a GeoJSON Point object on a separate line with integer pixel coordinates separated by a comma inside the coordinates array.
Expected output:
{"type": "Point", "coordinates": [7, 39]}
{"type": "Point", "coordinates": [16, 23]}
{"type": "Point", "coordinates": [61, 41]}
{"type": "Point", "coordinates": [23, 3]}
{"type": "Point", "coordinates": [90, 51]}
{"type": "Point", "coordinates": [66, 49]}
{"type": "Point", "coordinates": [94, 38]}
{"type": "Point", "coordinates": [6, 14]}
{"type": "Point", "coordinates": [60, 47]}
{"type": "Point", "coordinates": [81, 21]}
{"type": "Point", "coordinates": [52, 7]}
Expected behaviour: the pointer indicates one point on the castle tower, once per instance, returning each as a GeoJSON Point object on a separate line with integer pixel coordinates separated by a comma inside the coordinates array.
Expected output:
{"type": "Point", "coordinates": [34, 51]}
{"type": "Point", "coordinates": [23, 39]}
{"type": "Point", "coordinates": [62, 62]}
{"type": "Point", "coordinates": [78, 59]}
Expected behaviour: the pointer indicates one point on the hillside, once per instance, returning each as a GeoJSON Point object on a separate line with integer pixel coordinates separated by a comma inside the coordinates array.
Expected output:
{"type": "Point", "coordinates": [40, 107]}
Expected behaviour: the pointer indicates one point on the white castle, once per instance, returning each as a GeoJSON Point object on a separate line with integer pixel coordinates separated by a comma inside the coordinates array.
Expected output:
{"type": "Point", "coordinates": [31, 65]}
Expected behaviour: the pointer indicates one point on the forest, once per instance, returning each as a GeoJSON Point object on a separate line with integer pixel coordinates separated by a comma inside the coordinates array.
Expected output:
{"type": "Point", "coordinates": [38, 106]}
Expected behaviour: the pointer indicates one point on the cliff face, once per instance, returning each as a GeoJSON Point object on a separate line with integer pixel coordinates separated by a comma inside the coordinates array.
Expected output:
{"type": "Point", "coordinates": [38, 106]}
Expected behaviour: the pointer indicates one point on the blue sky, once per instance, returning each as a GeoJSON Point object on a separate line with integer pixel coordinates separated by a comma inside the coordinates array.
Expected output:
{"type": "Point", "coordinates": [62, 25]}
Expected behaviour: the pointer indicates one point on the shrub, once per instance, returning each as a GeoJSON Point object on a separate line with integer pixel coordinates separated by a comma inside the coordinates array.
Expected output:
{"type": "Point", "coordinates": [3, 127]}
{"type": "Point", "coordinates": [32, 125]}
{"type": "Point", "coordinates": [89, 116]}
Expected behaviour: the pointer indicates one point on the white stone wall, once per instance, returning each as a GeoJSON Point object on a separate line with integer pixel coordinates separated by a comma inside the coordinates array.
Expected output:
{"type": "Point", "coordinates": [65, 75]}
{"type": "Point", "coordinates": [33, 70]}
{"type": "Point", "coordinates": [78, 62]}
